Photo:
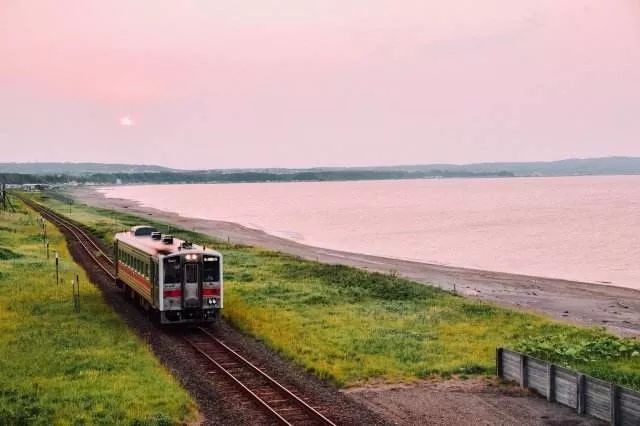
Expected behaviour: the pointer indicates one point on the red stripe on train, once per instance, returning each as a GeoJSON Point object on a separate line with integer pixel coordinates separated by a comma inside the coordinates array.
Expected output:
{"type": "Point", "coordinates": [211, 292]}
{"type": "Point", "coordinates": [133, 275]}
{"type": "Point", "coordinates": [173, 293]}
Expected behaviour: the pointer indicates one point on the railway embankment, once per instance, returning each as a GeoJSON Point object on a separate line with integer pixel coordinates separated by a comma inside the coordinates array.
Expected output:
{"type": "Point", "coordinates": [352, 327]}
{"type": "Point", "coordinates": [64, 363]}
{"type": "Point", "coordinates": [218, 389]}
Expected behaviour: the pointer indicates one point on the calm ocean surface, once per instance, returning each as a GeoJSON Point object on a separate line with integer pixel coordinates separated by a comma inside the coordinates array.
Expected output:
{"type": "Point", "coordinates": [577, 228]}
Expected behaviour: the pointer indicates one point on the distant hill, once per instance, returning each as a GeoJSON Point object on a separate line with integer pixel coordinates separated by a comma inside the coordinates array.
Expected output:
{"type": "Point", "coordinates": [78, 169]}
{"type": "Point", "coordinates": [100, 173]}
{"type": "Point", "coordinates": [569, 167]}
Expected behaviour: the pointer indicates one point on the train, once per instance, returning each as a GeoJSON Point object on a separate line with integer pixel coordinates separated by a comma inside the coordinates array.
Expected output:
{"type": "Point", "coordinates": [176, 281]}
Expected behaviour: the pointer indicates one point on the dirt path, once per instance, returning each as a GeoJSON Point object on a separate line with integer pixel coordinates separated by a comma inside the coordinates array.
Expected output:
{"type": "Point", "coordinates": [616, 308]}
{"type": "Point", "coordinates": [470, 402]}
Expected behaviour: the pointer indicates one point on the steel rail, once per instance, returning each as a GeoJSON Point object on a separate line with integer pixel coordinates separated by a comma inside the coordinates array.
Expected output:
{"type": "Point", "coordinates": [78, 229]}
{"type": "Point", "coordinates": [271, 380]}
{"type": "Point", "coordinates": [291, 396]}
{"type": "Point", "coordinates": [242, 386]}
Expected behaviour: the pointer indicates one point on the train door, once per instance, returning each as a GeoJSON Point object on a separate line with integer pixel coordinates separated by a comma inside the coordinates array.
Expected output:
{"type": "Point", "coordinates": [191, 291]}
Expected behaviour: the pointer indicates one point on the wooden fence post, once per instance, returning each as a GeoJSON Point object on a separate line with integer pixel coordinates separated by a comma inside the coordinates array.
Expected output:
{"type": "Point", "coordinates": [581, 393]}
{"type": "Point", "coordinates": [499, 371]}
{"type": "Point", "coordinates": [615, 405]}
{"type": "Point", "coordinates": [551, 382]}
{"type": "Point", "coordinates": [523, 371]}
{"type": "Point", "coordinates": [78, 290]}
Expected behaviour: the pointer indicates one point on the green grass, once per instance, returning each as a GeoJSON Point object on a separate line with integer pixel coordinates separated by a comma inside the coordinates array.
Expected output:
{"type": "Point", "coordinates": [352, 327]}
{"type": "Point", "coordinates": [62, 367]}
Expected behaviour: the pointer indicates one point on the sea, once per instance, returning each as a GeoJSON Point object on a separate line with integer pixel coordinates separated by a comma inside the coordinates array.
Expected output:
{"type": "Point", "coordinates": [582, 228]}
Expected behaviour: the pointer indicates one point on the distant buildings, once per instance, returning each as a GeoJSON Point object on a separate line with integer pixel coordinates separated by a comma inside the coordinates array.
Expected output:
{"type": "Point", "coordinates": [31, 187]}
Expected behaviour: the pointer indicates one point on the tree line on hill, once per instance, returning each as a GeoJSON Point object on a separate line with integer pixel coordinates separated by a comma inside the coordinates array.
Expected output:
{"type": "Point", "coordinates": [238, 177]}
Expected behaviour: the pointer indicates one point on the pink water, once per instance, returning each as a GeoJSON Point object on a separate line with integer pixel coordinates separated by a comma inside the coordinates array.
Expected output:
{"type": "Point", "coordinates": [577, 228]}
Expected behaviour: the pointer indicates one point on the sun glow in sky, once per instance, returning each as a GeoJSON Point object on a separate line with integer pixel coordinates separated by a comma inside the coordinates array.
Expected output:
{"type": "Point", "coordinates": [126, 121]}
{"type": "Point", "coordinates": [306, 83]}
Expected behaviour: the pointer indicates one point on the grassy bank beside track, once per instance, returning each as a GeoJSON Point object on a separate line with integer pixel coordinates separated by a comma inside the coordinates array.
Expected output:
{"type": "Point", "coordinates": [58, 366]}
{"type": "Point", "coordinates": [352, 327]}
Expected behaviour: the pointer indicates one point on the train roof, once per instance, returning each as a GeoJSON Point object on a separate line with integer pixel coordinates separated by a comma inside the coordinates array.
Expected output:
{"type": "Point", "coordinates": [145, 238]}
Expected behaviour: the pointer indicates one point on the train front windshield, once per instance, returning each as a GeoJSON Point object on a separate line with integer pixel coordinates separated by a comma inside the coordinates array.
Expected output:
{"type": "Point", "coordinates": [177, 270]}
{"type": "Point", "coordinates": [172, 273]}
{"type": "Point", "coordinates": [211, 269]}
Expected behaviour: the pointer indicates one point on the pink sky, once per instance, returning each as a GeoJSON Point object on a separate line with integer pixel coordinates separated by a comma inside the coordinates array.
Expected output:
{"type": "Point", "coordinates": [208, 84]}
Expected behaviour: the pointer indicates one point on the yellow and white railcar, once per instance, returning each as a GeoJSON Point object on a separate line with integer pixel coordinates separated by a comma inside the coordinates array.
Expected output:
{"type": "Point", "coordinates": [179, 282]}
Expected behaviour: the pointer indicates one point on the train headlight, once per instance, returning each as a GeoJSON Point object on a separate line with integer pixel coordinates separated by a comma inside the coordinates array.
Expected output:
{"type": "Point", "coordinates": [211, 301]}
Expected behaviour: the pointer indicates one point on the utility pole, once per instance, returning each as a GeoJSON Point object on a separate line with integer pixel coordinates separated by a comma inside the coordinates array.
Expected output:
{"type": "Point", "coordinates": [4, 198]}
{"type": "Point", "coordinates": [3, 195]}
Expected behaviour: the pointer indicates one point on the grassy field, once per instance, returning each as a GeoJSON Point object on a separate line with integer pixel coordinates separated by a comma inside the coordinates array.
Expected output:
{"type": "Point", "coordinates": [62, 367]}
{"type": "Point", "coordinates": [352, 327]}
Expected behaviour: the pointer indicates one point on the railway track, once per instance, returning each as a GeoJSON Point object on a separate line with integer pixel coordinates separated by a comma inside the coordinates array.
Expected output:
{"type": "Point", "coordinates": [282, 404]}
{"type": "Point", "coordinates": [278, 402]}
{"type": "Point", "coordinates": [99, 257]}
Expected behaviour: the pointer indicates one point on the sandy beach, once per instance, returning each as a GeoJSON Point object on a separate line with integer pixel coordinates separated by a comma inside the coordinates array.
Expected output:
{"type": "Point", "coordinates": [616, 308]}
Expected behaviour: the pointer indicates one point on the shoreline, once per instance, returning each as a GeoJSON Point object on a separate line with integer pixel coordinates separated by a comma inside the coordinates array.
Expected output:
{"type": "Point", "coordinates": [590, 304]}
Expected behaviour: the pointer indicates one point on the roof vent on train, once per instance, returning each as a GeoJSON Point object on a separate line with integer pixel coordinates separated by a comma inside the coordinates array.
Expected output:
{"type": "Point", "coordinates": [156, 235]}
{"type": "Point", "coordinates": [142, 230]}
{"type": "Point", "coordinates": [167, 239]}
{"type": "Point", "coordinates": [186, 245]}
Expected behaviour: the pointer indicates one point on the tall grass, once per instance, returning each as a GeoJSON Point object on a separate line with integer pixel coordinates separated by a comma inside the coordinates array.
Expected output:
{"type": "Point", "coordinates": [351, 327]}
{"type": "Point", "coordinates": [58, 366]}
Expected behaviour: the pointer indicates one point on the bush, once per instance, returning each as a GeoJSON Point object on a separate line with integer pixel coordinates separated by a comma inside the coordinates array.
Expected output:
{"type": "Point", "coordinates": [568, 350]}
